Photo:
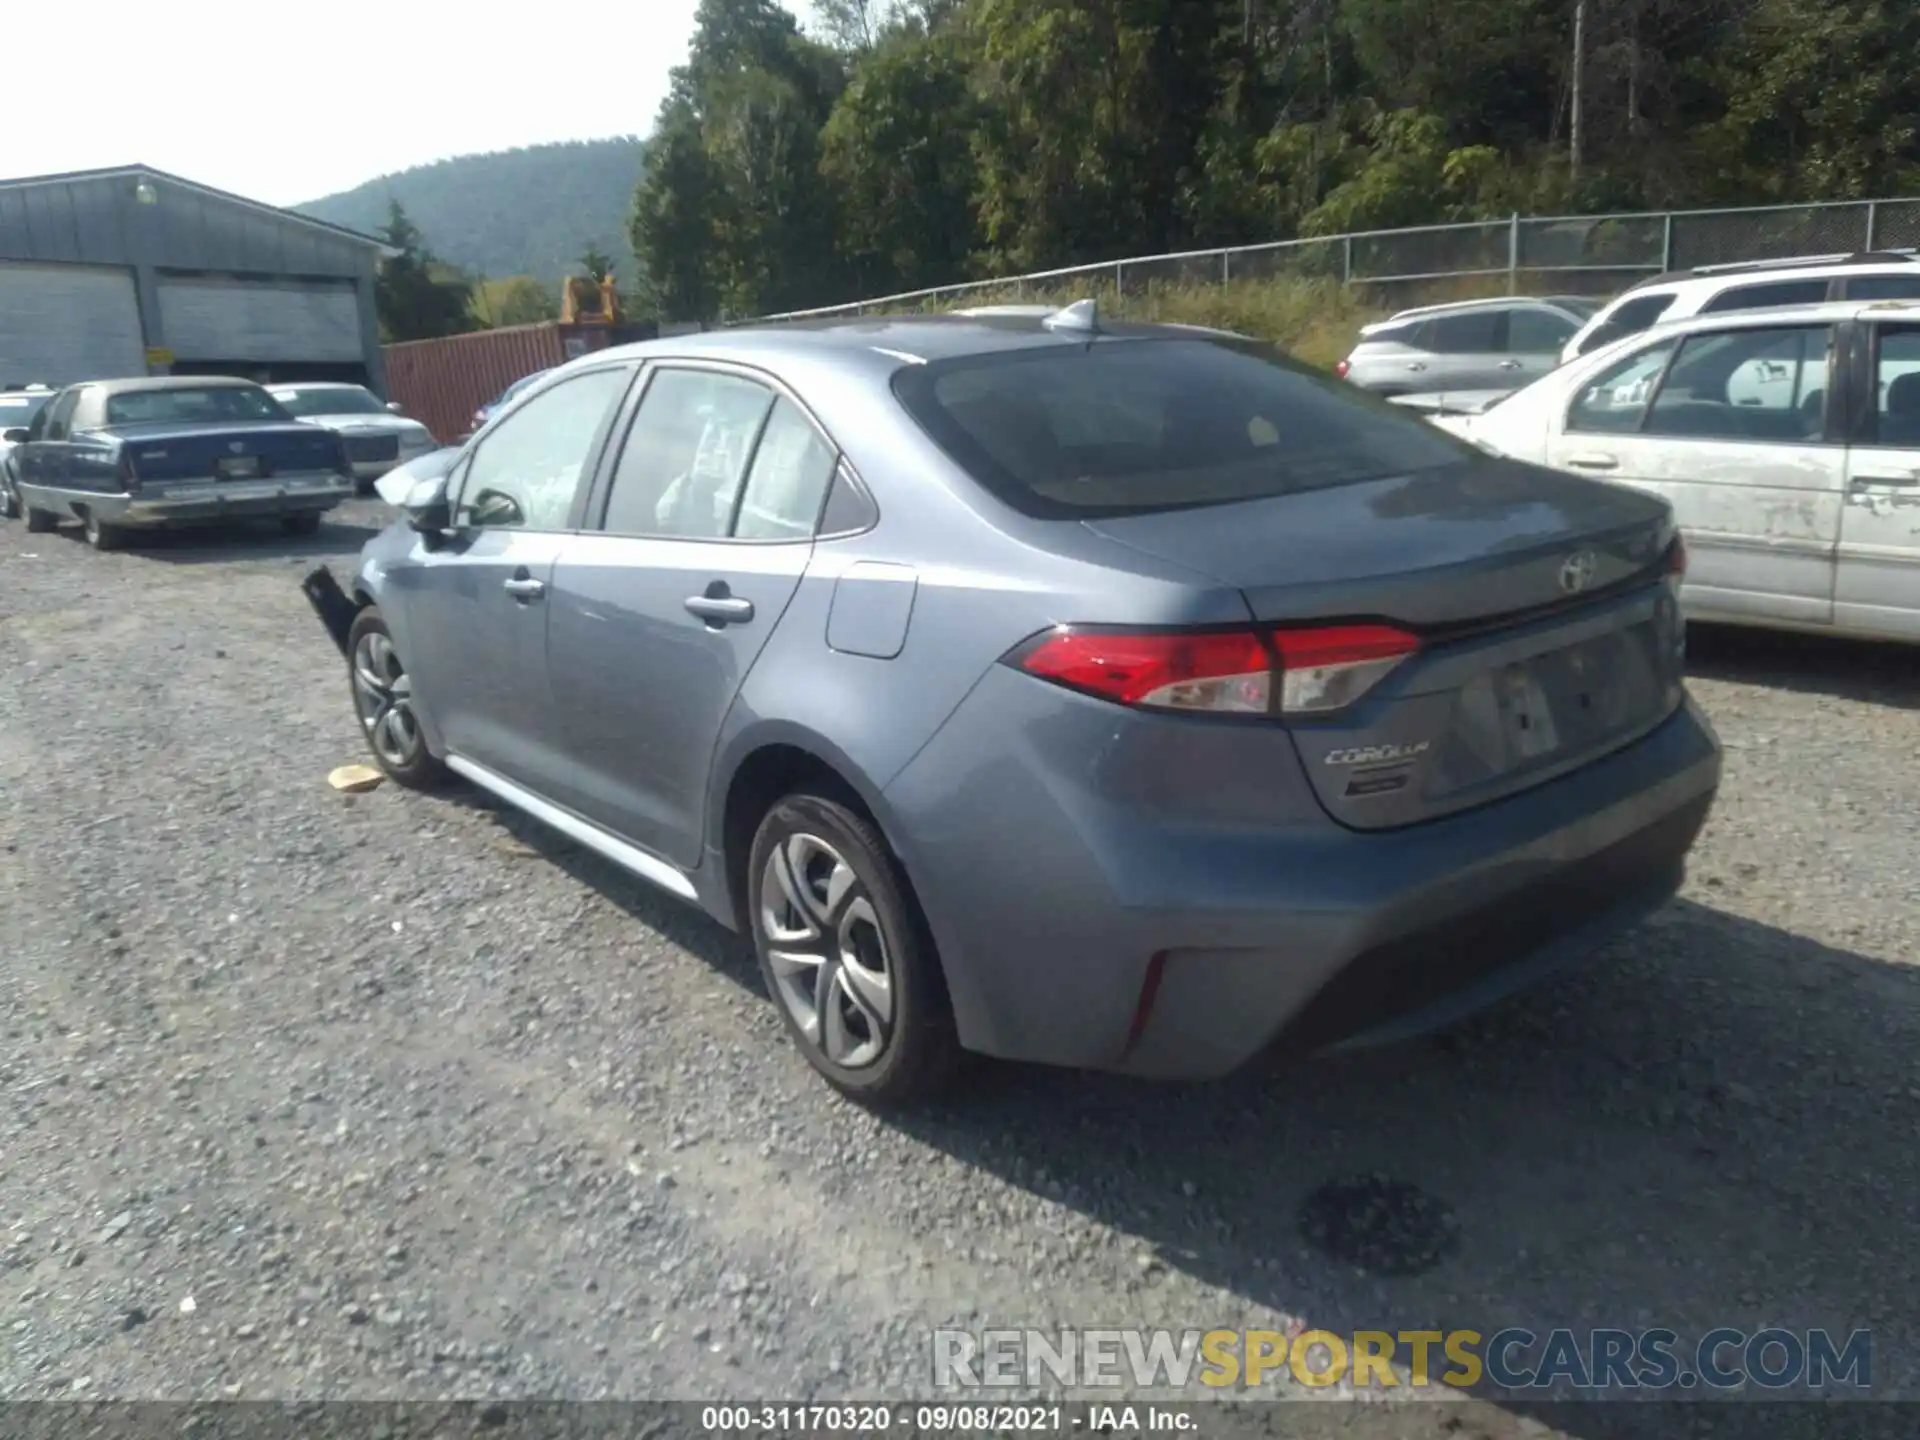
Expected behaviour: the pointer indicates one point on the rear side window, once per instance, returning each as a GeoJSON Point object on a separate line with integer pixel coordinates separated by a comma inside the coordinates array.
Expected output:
{"type": "Point", "coordinates": [1628, 318]}
{"type": "Point", "coordinates": [1405, 332]}
{"type": "Point", "coordinates": [1479, 332]}
{"type": "Point", "coordinates": [1132, 426]}
{"type": "Point", "coordinates": [1897, 407]}
{"type": "Point", "coordinates": [1762, 297]}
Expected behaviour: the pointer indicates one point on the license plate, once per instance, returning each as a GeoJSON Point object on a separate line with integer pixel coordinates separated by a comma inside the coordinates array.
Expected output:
{"type": "Point", "coordinates": [240, 467]}
{"type": "Point", "coordinates": [1530, 727]}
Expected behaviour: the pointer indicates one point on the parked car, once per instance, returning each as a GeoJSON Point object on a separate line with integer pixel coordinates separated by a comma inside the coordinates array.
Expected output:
{"type": "Point", "coordinates": [18, 406]}
{"type": "Point", "coordinates": [1471, 345]}
{"type": "Point", "coordinates": [1754, 285]}
{"type": "Point", "coordinates": [127, 455]}
{"type": "Point", "coordinates": [378, 437]}
{"type": "Point", "coordinates": [506, 397]}
{"type": "Point", "coordinates": [1787, 442]}
{"type": "Point", "coordinates": [1000, 676]}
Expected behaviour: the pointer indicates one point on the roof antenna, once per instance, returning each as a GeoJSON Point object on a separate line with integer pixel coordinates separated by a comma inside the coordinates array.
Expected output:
{"type": "Point", "coordinates": [1082, 315]}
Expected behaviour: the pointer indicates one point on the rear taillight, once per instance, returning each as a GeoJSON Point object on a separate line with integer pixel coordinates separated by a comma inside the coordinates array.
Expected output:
{"type": "Point", "coordinates": [1307, 671]}
{"type": "Point", "coordinates": [124, 470]}
{"type": "Point", "coordinates": [1341, 369]}
{"type": "Point", "coordinates": [1677, 557]}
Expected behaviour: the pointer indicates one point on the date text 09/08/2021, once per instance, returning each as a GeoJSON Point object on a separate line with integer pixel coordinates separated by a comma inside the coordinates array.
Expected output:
{"type": "Point", "coordinates": [958, 1418]}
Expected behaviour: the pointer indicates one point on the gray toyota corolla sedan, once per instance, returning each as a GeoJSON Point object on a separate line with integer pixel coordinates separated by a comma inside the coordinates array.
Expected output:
{"type": "Point", "coordinates": [1117, 696]}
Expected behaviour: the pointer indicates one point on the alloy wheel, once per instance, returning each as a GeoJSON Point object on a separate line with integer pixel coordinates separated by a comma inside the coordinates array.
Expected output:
{"type": "Point", "coordinates": [827, 951]}
{"type": "Point", "coordinates": [383, 695]}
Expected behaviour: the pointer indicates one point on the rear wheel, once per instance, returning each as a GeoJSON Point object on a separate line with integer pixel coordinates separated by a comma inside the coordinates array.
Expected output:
{"type": "Point", "coordinates": [383, 701]}
{"type": "Point", "coordinates": [102, 536]}
{"type": "Point", "coordinates": [306, 524]}
{"type": "Point", "coordinates": [40, 522]}
{"type": "Point", "coordinates": [846, 954]}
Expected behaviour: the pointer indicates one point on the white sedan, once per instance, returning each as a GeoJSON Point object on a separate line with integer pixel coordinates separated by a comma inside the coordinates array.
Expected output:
{"type": "Point", "coordinates": [377, 436]}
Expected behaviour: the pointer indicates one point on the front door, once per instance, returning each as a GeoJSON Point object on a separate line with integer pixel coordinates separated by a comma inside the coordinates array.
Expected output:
{"type": "Point", "coordinates": [1877, 585]}
{"type": "Point", "coordinates": [1730, 426]}
{"type": "Point", "coordinates": [1469, 349]}
{"type": "Point", "coordinates": [42, 458]}
{"type": "Point", "coordinates": [475, 604]}
{"type": "Point", "coordinates": [656, 619]}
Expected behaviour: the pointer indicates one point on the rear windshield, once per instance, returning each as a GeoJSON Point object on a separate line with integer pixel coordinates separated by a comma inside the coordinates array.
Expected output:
{"type": "Point", "coordinates": [187, 406]}
{"type": "Point", "coordinates": [1122, 427]}
{"type": "Point", "coordinates": [17, 409]}
{"type": "Point", "coordinates": [347, 400]}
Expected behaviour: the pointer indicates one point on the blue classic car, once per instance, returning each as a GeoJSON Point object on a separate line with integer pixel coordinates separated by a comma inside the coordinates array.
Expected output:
{"type": "Point", "coordinates": [127, 455]}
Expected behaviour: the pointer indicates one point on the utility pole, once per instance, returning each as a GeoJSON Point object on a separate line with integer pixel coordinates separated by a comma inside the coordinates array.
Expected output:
{"type": "Point", "coordinates": [1579, 67]}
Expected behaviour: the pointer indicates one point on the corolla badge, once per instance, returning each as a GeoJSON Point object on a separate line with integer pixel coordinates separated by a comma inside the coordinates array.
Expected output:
{"type": "Point", "coordinates": [1577, 573]}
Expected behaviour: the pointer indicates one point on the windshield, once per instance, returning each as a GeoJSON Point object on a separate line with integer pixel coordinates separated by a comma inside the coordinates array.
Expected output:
{"type": "Point", "coordinates": [1123, 427]}
{"type": "Point", "coordinates": [1578, 305]}
{"type": "Point", "coordinates": [514, 389]}
{"type": "Point", "coordinates": [186, 406]}
{"type": "Point", "coordinates": [346, 400]}
{"type": "Point", "coordinates": [17, 410]}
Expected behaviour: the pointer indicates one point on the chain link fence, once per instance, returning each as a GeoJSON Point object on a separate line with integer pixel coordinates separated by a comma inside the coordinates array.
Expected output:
{"type": "Point", "coordinates": [1596, 255]}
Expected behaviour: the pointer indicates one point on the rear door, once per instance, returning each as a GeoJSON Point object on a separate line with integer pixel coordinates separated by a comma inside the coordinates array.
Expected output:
{"type": "Point", "coordinates": [1877, 579]}
{"type": "Point", "coordinates": [698, 541]}
{"type": "Point", "coordinates": [1731, 427]}
{"type": "Point", "coordinates": [43, 458]}
{"type": "Point", "coordinates": [476, 604]}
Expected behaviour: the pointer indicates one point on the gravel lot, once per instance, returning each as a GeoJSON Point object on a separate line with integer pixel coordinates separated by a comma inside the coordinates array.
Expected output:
{"type": "Point", "coordinates": [390, 1096]}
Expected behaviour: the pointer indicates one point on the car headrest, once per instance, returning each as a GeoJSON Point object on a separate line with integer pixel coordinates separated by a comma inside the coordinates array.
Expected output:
{"type": "Point", "coordinates": [1903, 395]}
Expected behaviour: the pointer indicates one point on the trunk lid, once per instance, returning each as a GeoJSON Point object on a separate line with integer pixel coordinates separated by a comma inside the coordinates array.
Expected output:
{"type": "Point", "coordinates": [1550, 630]}
{"type": "Point", "coordinates": [165, 453]}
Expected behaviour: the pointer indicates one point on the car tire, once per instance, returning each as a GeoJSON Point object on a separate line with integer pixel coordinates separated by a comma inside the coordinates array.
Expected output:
{"type": "Point", "coordinates": [383, 703]}
{"type": "Point", "coordinates": [41, 522]}
{"type": "Point", "coordinates": [307, 524]}
{"type": "Point", "coordinates": [9, 502]}
{"type": "Point", "coordinates": [102, 536]}
{"type": "Point", "coordinates": [870, 1013]}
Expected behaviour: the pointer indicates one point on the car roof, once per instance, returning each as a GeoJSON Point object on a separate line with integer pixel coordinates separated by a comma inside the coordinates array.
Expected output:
{"type": "Point", "coordinates": [1808, 267]}
{"type": "Point", "coordinates": [140, 385]}
{"type": "Point", "coordinates": [1827, 312]}
{"type": "Point", "coordinates": [315, 385]}
{"type": "Point", "coordinates": [888, 342]}
{"type": "Point", "coordinates": [1490, 302]}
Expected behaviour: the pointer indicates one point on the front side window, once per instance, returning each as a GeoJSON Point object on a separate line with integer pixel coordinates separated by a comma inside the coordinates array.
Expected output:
{"type": "Point", "coordinates": [1884, 287]}
{"type": "Point", "coordinates": [193, 405]}
{"type": "Point", "coordinates": [1746, 385]}
{"type": "Point", "coordinates": [526, 473]}
{"type": "Point", "coordinates": [680, 470]}
{"type": "Point", "coordinates": [1897, 411]}
{"type": "Point", "coordinates": [1614, 402]}
{"type": "Point", "coordinates": [1538, 332]}
{"type": "Point", "coordinates": [60, 415]}
{"type": "Point", "coordinates": [1208, 422]}
{"type": "Point", "coordinates": [1765, 297]}
{"type": "Point", "coordinates": [1630, 317]}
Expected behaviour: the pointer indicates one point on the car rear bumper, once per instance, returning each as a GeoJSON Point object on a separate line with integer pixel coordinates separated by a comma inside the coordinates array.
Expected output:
{"type": "Point", "coordinates": [189, 504]}
{"type": "Point", "coordinates": [1119, 933]}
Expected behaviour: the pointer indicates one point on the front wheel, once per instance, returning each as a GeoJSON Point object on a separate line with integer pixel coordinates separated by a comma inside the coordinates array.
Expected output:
{"type": "Point", "coordinates": [383, 701]}
{"type": "Point", "coordinates": [9, 502]}
{"type": "Point", "coordinates": [846, 955]}
{"type": "Point", "coordinates": [41, 522]}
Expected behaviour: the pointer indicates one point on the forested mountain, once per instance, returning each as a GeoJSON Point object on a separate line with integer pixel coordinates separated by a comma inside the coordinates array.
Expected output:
{"type": "Point", "coordinates": [916, 142]}
{"type": "Point", "coordinates": [515, 212]}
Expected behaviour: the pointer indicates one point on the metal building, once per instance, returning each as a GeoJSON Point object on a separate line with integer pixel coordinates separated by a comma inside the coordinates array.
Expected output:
{"type": "Point", "coordinates": [112, 273]}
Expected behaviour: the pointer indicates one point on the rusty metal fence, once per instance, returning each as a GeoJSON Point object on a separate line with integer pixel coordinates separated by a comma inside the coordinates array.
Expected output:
{"type": "Point", "coordinates": [1561, 254]}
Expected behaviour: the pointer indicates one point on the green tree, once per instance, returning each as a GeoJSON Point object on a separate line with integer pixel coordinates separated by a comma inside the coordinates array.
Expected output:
{"type": "Point", "coordinates": [414, 296]}
{"type": "Point", "coordinates": [595, 263]}
{"type": "Point", "coordinates": [674, 223]}
{"type": "Point", "coordinates": [527, 301]}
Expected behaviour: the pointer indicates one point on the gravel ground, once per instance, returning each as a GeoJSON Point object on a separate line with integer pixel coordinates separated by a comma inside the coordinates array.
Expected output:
{"type": "Point", "coordinates": [304, 1095]}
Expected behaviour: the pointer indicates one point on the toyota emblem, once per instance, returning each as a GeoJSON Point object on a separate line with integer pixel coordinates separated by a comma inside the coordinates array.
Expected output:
{"type": "Point", "coordinates": [236, 446]}
{"type": "Point", "coordinates": [1578, 571]}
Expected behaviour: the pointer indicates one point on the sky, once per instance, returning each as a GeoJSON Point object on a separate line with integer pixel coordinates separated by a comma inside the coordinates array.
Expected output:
{"type": "Point", "coordinates": [286, 103]}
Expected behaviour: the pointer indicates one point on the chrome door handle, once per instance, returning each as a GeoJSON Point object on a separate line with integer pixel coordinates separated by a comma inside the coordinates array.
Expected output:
{"type": "Point", "coordinates": [720, 609]}
{"type": "Point", "coordinates": [1417, 365]}
{"type": "Point", "coordinates": [1593, 461]}
{"type": "Point", "coordinates": [523, 588]}
{"type": "Point", "coordinates": [1509, 364]}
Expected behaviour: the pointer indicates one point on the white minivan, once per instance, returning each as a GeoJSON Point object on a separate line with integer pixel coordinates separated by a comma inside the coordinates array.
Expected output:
{"type": "Point", "coordinates": [1787, 441]}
